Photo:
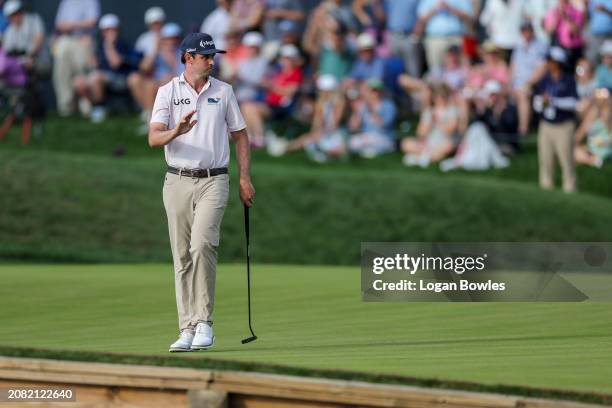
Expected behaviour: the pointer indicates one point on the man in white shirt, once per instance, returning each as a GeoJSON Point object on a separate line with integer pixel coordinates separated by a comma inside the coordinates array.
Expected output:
{"type": "Point", "coordinates": [217, 23]}
{"type": "Point", "coordinates": [193, 117]}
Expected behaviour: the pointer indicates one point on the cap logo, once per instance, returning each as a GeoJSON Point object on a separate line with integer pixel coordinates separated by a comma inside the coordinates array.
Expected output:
{"type": "Point", "coordinates": [203, 43]}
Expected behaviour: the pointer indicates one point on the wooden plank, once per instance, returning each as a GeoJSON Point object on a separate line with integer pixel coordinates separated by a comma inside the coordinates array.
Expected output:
{"type": "Point", "coordinates": [103, 397]}
{"type": "Point", "coordinates": [244, 386]}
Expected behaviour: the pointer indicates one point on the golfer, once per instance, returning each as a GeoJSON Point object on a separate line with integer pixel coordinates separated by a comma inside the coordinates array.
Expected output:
{"type": "Point", "coordinates": [193, 117]}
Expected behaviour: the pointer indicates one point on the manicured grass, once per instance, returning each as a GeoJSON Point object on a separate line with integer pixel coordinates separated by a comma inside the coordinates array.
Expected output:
{"type": "Point", "coordinates": [86, 206]}
{"type": "Point", "coordinates": [308, 318]}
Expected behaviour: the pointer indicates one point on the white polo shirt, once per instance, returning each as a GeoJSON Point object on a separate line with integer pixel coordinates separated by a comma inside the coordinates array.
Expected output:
{"type": "Point", "coordinates": [206, 145]}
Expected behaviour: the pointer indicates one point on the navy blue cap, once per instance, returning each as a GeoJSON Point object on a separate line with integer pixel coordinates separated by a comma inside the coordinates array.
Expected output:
{"type": "Point", "coordinates": [199, 43]}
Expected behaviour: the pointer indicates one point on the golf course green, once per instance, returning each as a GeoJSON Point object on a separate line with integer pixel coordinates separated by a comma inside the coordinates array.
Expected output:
{"type": "Point", "coordinates": [309, 317]}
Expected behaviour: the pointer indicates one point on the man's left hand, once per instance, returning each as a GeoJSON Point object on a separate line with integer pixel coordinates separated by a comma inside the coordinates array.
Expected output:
{"type": "Point", "coordinates": [247, 192]}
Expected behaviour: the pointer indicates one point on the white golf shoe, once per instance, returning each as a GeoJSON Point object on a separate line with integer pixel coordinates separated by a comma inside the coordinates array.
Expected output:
{"type": "Point", "coordinates": [204, 338]}
{"type": "Point", "coordinates": [183, 343]}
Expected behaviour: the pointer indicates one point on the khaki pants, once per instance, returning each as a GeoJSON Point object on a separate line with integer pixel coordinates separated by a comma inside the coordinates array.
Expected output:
{"type": "Point", "coordinates": [195, 208]}
{"type": "Point", "coordinates": [70, 58]}
{"type": "Point", "coordinates": [408, 47]}
{"type": "Point", "coordinates": [557, 139]}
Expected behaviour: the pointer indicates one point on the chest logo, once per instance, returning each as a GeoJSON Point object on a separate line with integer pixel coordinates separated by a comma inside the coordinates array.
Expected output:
{"type": "Point", "coordinates": [183, 101]}
{"type": "Point", "coordinates": [214, 100]}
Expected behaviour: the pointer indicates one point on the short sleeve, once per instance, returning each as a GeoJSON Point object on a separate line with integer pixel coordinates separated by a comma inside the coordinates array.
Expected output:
{"type": "Point", "coordinates": [233, 116]}
{"type": "Point", "coordinates": [93, 11]}
{"type": "Point", "coordinates": [424, 8]}
{"type": "Point", "coordinates": [161, 108]}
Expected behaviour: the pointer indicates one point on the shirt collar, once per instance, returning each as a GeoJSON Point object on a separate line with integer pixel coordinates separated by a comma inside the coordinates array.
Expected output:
{"type": "Point", "coordinates": [206, 86]}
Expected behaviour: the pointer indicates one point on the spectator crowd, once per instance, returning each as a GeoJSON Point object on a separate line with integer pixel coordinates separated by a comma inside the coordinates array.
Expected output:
{"type": "Point", "coordinates": [478, 74]}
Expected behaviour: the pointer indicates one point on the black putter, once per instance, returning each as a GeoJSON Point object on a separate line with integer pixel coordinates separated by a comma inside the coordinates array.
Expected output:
{"type": "Point", "coordinates": [246, 231]}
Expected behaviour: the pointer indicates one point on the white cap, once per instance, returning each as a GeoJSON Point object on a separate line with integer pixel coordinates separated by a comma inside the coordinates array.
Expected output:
{"type": "Point", "coordinates": [365, 41]}
{"type": "Point", "coordinates": [154, 15]}
{"type": "Point", "coordinates": [11, 7]}
{"type": "Point", "coordinates": [108, 21]}
{"type": "Point", "coordinates": [252, 39]}
{"type": "Point", "coordinates": [557, 54]}
{"type": "Point", "coordinates": [327, 82]}
{"type": "Point", "coordinates": [170, 30]}
{"type": "Point", "coordinates": [492, 87]}
{"type": "Point", "coordinates": [289, 51]}
{"type": "Point", "coordinates": [606, 48]}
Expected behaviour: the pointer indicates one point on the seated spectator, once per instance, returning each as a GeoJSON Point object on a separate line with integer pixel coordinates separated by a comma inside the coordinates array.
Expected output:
{"type": "Point", "coordinates": [596, 128]}
{"type": "Point", "coordinates": [235, 55]}
{"type": "Point", "coordinates": [281, 92]}
{"type": "Point", "coordinates": [248, 81]}
{"type": "Point", "coordinates": [452, 72]}
{"type": "Point", "coordinates": [326, 138]}
{"type": "Point", "coordinates": [500, 116]}
{"type": "Point", "coordinates": [436, 131]}
{"type": "Point", "coordinates": [156, 70]}
{"type": "Point", "coordinates": [372, 122]}
{"type": "Point", "coordinates": [555, 100]}
{"type": "Point", "coordinates": [367, 65]}
{"type": "Point", "coordinates": [442, 23]}
{"type": "Point", "coordinates": [526, 68]}
{"type": "Point", "coordinates": [25, 37]}
{"type": "Point", "coordinates": [72, 48]}
{"type": "Point", "coordinates": [585, 85]}
{"type": "Point", "coordinates": [246, 15]}
{"type": "Point", "coordinates": [603, 73]}
{"type": "Point", "coordinates": [217, 23]}
{"type": "Point", "coordinates": [113, 62]}
{"type": "Point", "coordinates": [148, 42]}
{"type": "Point", "coordinates": [565, 23]}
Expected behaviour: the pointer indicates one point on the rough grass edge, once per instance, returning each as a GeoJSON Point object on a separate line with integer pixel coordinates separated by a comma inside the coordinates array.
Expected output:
{"type": "Point", "coordinates": [387, 379]}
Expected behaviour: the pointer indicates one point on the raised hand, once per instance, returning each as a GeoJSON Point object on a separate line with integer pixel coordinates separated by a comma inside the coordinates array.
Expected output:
{"type": "Point", "coordinates": [186, 123]}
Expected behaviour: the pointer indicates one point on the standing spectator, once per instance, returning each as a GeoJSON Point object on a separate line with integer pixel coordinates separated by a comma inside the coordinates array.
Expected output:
{"type": "Point", "coordinates": [217, 23]}
{"type": "Point", "coordinates": [526, 68]}
{"type": "Point", "coordinates": [586, 85]}
{"type": "Point", "coordinates": [534, 12]}
{"type": "Point", "coordinates": [74, 25]}
{"type": "Point", "coordinates": [236, 52]}
{"type": "Point", "coordinates": [371, 16]}
{"type": "Point", "coordinates": [246, 15]}
{"type": "Point", "coordinates": [113, 62]}
{"type": "Point", "coordinates": [372, 121]}
{"type": "Point", "coordinates": [148, 42]}
{"type": "Point", "coordinates": [502, 20]}
{"type": "Point", "coordinates": [565, 23]}
{"type": "Point", "coordinates": [600, 26]}
{"type": "Point", "coordinates": [401, 16]}
{"type": "Point", "coordinates": [25, 35]}
{"type": "Point", "coordinates": [555, 99]}
{"type": "Point", "coordinates": [442, 23]}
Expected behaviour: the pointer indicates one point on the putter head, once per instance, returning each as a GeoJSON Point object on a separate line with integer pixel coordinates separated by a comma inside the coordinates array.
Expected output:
{"type": "Point", "coordinates": [249, 339]}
